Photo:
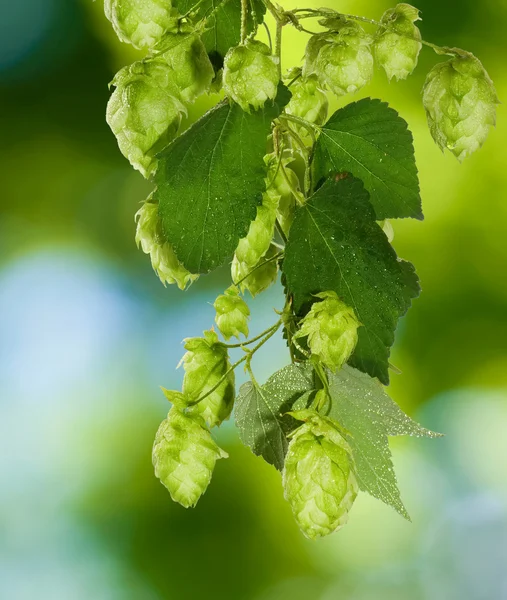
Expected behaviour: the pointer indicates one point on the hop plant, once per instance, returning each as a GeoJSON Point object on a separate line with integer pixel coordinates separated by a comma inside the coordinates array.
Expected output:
{"type": "Point", "coordinates": [232, 314]}
{"type": "Point", "coordinates": [319, 481]}
{"type": "Point", "coordinates": [460, 101]}
{"type": "Point", "coordinates": [206, 365]}
{"type": "Point", "coordinates": [190, 67]}
{"type": "Point", "coordinates": [184, 456]}
{"type": "Point", "coordinates": [308, 100]}
{"type": "Point", "coordinates": [144, 112]}
{"type": "Point", "coordinates": [142, 24]}
{"type": "Point", "coordinates": [250, 75]}
{"type": "Point", "coordinates": [398, 44]}
{"type": "Point", "coordinates": [150, 238]}
{"type": "Point", "coordinates": [341, 59]}
{"type": "Point", "coordinates": [331, 328]}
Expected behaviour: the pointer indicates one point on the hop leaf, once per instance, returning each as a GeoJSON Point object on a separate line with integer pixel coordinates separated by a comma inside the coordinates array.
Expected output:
{"type": "Point", "coordinates": [250, 75]}
{"type": "Point", "coordinates": [142, 24]}
{"type": "Point", "coordinates": [397, 48]}
{"type": "Point", "coordinates": [144, 112]}
{"type": "Point", "coordinates": [184, 456]}
{"type": "Point", "coordinates": [318, 477]}
{"type": "Point", "coordinates": [341, 59]}
{"type": "Point", "coordinates": [232, 314]}
{"type": "Point", "coordinates": [190, 67]}
{"type": "Point", "coordinates": [206, 363]}
{"type": "Point", "coordinates": [460, 101]}
{"type": "Point", "coordinates": [331, 328]}
{"type": "Point", "coordinates": [163, 259]}
{"type": "Point", "coordinates": [308, 101]}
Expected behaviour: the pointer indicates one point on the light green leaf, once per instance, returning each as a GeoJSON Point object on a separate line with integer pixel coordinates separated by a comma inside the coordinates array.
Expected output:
{"type": "Point", "coordinates": [260, 412]}
{"type": "Point", "coordinates": [210, 181]}
{"type": "Point", "coordinates": [336, 245]}
{"type": "Point", "coordinates": [371, 141]}
{"type": "Point", "coordinates": [361, 405]}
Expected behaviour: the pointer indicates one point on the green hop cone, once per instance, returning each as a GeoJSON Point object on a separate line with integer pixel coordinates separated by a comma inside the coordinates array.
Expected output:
{"type": "Point", "coordinates": [184, 456]}
{"type": "Point", "coordinates": [318, 477]}
{"type": "Point", "coordinates": [460, 101]}
{"type": "Point", "coordinates": [344, 62]}
{"type": "Point", "coordinates": [142, 23]}
{"type": "Point", "coordinates": [331, 328]}
{"type": "Point", "coordinates": [232, 314]}
{"type": "Point", "coordinates": [258, 279]}
{"type": "Point", "coordinates": [206, 363]}
{"type": "Point", "coordinates": [250, 75]}
{"type": "Point", "coordinates": [281, 182]}
{"type": "Point", "coordinates": [150, 238]}
{"type": "Point", "coordinates": [397, 48]}
{"type": "Point", "coordinates": [190, 67]}
{"type": "Point", "coordinates": [144, 112]}
{"type": "Point", "coordinates": [308, 100]}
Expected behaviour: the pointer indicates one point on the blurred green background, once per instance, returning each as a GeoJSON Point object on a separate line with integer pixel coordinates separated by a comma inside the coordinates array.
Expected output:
{"type": "Point", "coordinates": [87, 334]}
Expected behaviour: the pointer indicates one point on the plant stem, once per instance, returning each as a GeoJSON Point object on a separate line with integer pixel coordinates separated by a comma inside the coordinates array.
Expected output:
{"type": "Point", "coordinates": [244, 22]}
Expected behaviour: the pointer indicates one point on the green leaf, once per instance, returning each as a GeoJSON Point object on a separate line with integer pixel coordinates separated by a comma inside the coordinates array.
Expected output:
{"type": "Point", "coordinates": [362, 407]}
{"type": "Point", "coordinates": [210, 181]}
{"type": "Point", "coordinates": [223, 25]}
{"type": "Point", "coordinates": [370, 140]}
{"type": "Point", "coordinates": [260, 412]}
{"type": "Point", "coordinates": [336, 245]}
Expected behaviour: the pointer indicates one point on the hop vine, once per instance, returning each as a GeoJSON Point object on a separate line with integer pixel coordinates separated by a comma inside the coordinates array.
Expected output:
{"type": "Point", "coordinates": [267, 182]}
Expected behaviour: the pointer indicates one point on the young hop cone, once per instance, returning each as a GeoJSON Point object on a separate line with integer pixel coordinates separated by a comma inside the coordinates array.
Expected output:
{"type": "Point", "coordinates": [331, 328]}
{"type": "Point", "coordinates": [250, 75]}
{"type": "Point", "coordinates": [163, 259]}
{"type": "Point", "coordinates": [308, 100]}
{"type": "Point", "coordinates": [460, 101]}
{"type": "Point", "coordinates": [232, 314]}
{"type": "Point", "coordinates": [341, 59]}
{"type": "Point", "coordinates": [184, 456]}
{"type": "Point", "coordinates": [190, 67]}
{"type": "Point", "coordinates": [142, 23]}
{"type": "Point", "coordinates": [397, 48]}
{"type": "Point", "coordinates": [318, 477]}
{"type": "Point", "coordinates": [206, 362]}
{"type": "Point", "coordinates": [281, 182]}
{"type": "Point", "coordinates": [144, 112]}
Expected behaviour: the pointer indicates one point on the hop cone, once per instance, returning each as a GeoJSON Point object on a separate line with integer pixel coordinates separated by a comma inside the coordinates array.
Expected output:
{"type": "Point", "coordinates": [190, 67]}
{"type": "Point", "coordinates": [163, 259]}
{"type": "Point", "coordinates": [331, 329]}
{"type": "Point", "coordinates": [397, 48]}
{"type": "Point", "coordinates": [250, 75]}
{"type": "Point", "coordinates": [184, 456]}
{"type": "Point", "coordinates": [281, 182]}
{"type": "Point", "coordinates": [318, 477]}
{"type": "Point", "coordinates": [308, 100]}
{"type": "Point", "coordinates": [343, 60]}
{"type": "Point", "coordinates": [142, 23]}
{"type": "Point", "coordinates": [460, 101]}
{"type": "Point", "coordinates": [144, 112]}
{"type": "Point", "coordinates": [232, 314]}
{"type": "Point", "coordinates": [206, 362]}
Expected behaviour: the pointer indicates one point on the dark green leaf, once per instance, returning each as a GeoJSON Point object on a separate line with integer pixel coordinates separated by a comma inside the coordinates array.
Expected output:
{"type": "Point", "coordinates": [361, 405]}
{"type": "Point", "coordinates": [223, 25]}
{"type": "Point", "coordinates": [335, 244]}
{"type": "Point", "coordinates": [210, 181]}
{"type": "Point", "coordinates": [260, 412]}
{"type": "Point", "coordinates": [370, 140]}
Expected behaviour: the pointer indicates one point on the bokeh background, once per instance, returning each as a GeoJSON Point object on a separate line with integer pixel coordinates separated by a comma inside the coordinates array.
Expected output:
{"type": "Point", "coordinates": [87, 334]}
